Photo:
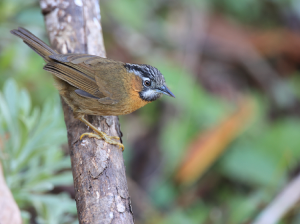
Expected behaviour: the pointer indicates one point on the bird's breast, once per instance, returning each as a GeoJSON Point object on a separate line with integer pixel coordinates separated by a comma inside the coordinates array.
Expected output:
{"type": "Point", "coordinates": [133, 100]}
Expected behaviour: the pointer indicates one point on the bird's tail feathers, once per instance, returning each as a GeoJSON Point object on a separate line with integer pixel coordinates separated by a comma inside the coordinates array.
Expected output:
{"type": "Point", "coordinates": [34, 43]}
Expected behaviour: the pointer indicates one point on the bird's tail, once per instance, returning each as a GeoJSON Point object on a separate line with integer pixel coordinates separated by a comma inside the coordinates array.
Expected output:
{"type": "Point", "coordinates": [34, 43]}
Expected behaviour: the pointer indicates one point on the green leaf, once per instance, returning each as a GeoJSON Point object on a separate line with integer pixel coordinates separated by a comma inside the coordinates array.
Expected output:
{"type": "Point", "coordinates": [34, 164]}
{"type": "Point", "coordinates": [25, 102]}
{"type": "Point", "coordinates": [11, 97]}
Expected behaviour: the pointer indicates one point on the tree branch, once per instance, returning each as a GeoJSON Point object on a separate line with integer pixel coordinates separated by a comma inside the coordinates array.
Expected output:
{"type": "Point", "coordinates": [282, 204]}
{"type": "Point", "coordinates": [101, 191]}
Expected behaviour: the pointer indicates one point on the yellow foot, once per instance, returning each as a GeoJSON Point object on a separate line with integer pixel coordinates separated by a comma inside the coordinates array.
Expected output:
{"type": "Point", "coordinates": [105, 137]}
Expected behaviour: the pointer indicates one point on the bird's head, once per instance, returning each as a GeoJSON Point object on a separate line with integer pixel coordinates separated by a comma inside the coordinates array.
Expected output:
{"type": "Point", "coordinates": [154, 84]}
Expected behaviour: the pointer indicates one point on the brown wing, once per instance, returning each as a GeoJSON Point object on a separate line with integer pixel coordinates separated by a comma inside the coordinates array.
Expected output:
{"type": "Point", "coordinates": [91, 73]}
{"type": "Point", "coordinates": [84, 62]}
{"type": "Point", "coordinates": [74, 78]}
{"type": "Point", "coordinates": [79, 70]}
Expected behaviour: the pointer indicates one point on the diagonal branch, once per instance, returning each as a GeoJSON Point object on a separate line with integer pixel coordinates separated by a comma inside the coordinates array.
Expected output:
{"type": "Point", "coordinates": [98, 168]}
{"type": "Point", "coordinates": [282, 204]}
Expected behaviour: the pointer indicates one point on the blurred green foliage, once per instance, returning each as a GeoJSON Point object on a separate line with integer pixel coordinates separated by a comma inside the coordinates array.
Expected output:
{"type": "Point", "coordinates": [248, 176]}
{"type": "Point", "coordinates": [32, 159]}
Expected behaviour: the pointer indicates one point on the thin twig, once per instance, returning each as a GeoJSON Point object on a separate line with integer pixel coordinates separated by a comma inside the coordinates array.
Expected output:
{"type": "Point", "coordinates": [283, 203]}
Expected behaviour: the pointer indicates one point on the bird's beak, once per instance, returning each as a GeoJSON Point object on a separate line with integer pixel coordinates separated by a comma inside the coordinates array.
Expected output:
{"type": "Point", "coordinates": [165, 90]}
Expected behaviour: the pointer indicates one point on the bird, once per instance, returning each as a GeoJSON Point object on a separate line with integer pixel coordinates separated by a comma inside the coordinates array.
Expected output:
{"type": "Point", "coordinates": [93, 85]}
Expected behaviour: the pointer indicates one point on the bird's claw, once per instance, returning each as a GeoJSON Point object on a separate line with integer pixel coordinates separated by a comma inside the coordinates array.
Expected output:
{"type": "Point", "coordinates": [105, 137]}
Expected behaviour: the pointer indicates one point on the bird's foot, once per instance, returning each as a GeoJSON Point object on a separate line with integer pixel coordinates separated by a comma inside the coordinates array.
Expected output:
{"type": "Point", "coordinates": [102, 136]}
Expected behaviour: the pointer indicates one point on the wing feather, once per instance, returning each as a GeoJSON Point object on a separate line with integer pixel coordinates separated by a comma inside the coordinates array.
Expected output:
{"type": "Point", "coordinates": [74, 78]}
{"type": "Point", "coordinates": [80, 71]}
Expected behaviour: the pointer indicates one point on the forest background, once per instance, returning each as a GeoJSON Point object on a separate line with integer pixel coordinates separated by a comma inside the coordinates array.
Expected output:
{"type": "Point", "coordinates": [219, 153]}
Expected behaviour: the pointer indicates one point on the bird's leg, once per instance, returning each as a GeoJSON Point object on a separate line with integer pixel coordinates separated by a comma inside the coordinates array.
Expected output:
{"type": "Point", "coordinates": [100, 134]}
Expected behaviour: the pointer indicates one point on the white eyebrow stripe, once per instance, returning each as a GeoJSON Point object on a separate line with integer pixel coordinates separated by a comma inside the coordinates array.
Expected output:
{"type": "Point", "coordinates": [138, 73]}
{"type": "Point", "coordinates": [146, 71]}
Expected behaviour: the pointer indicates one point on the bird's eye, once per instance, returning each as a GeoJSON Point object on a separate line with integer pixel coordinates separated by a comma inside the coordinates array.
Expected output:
{"type": "Point", "coordinates": [147, 82]}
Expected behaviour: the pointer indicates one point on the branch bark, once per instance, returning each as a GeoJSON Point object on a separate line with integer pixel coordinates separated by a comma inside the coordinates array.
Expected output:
{"type": "Point", "coordinates": [101, 191]}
